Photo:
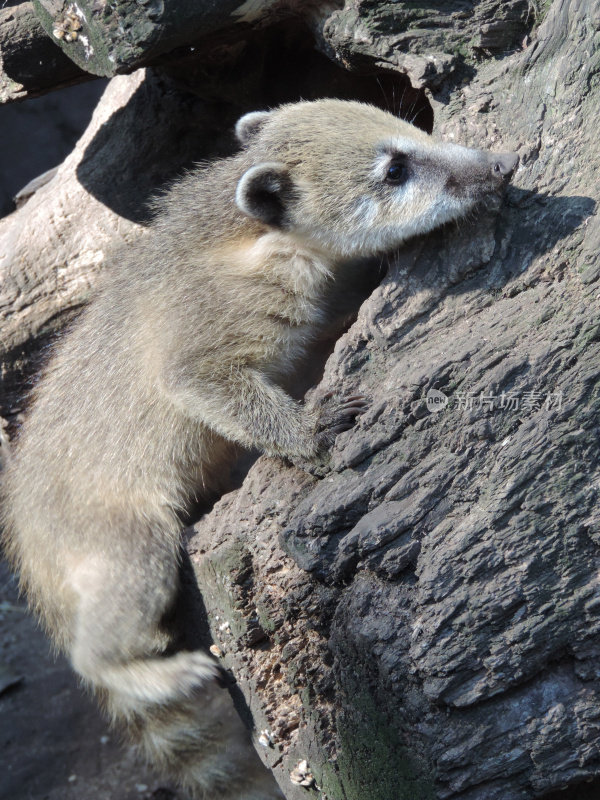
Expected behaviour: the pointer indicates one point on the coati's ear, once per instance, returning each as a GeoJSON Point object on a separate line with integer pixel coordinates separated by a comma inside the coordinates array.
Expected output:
{"type": "Point", "coordinates": [249, 125]}
{"type": "Point", "coordinates": [264, 193]}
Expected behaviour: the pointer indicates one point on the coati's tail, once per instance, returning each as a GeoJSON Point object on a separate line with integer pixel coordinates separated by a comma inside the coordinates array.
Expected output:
{"type": "Point", "coordinates": [201, 743]}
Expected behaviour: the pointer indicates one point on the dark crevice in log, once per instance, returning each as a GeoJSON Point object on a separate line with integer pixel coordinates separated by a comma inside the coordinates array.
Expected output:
{"type": "Point", "coordinates": [283, 64]}
{"type": "Point", "coordinates": [588, 790]}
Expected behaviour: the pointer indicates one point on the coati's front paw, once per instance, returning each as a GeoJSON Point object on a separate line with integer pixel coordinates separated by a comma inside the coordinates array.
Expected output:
{"type": "Point", "coordinates": [334, 416]}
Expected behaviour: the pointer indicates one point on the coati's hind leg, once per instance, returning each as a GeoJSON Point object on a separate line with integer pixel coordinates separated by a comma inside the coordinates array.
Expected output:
{"type": "Point", "coordinates": [181, 716]}
{"type": "Point", "coordinates": [203, 745]}
{"type": "Point", "coordinates": [122, 596]}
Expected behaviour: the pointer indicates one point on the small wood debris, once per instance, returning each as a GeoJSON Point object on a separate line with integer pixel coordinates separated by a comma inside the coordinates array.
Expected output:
{"type": "Point", "coordinates": [265, 738]}
{"type": "Point", "coordinates": [301, 776]}
{"type": "Point", "coordinates": [67, 27]}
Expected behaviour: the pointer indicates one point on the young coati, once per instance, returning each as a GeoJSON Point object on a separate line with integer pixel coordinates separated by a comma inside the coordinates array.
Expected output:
{"type": "Point", "coordinates": [181, 358]}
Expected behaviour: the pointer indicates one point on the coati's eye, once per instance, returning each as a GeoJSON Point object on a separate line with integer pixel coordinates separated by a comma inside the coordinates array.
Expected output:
{"type": "Point", "coordinates": [397, 172]}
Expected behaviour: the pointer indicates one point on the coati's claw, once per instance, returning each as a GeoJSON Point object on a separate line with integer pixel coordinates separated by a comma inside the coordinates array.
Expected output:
{"type": "Point", "coordinates": [334, 416]}
{"type": "Point", "coordinates": [337, 417]}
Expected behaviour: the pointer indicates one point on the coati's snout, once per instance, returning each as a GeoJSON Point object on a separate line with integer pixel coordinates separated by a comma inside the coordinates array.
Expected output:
{"type": "Point", "coordinates": [477, 173]}
{"type": "Point", "coordinates": [503, 165]}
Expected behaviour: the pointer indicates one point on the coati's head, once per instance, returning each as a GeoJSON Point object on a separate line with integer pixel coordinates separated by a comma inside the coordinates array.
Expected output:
{"type": "Point", "coordinates": [355, 179]}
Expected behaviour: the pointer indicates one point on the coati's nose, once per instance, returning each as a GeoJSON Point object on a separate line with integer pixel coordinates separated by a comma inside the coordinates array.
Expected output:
{"type": "Point", "coordinates": [503, 164]}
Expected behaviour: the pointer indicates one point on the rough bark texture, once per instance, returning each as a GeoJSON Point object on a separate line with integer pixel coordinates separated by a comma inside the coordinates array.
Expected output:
{"type": "Point", "coordinates": [48, 44]}
{"type": "Point", "coordinates": [50, 251]}
{"type": "Point", "coordinates": [111, 38]}
{"type": "Point", "coordinates": [30, 63]}
{"type": "Point", "coordinates": [422, 622]}
{"type": "Point", "coordinates": [430, 42]}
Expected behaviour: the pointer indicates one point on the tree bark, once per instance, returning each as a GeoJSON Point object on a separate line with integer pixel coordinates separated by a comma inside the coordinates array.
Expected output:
{"type": "Point", "coordinates": [422, 622]}
{"type": "Point", "coordinates": [49, 44]}
{"type": "Point", "coordinates": [51, 250]}
{"type": "Point", "coordinates": [110, 39]}
{"type": "Point", "coordinates": [30, 63]}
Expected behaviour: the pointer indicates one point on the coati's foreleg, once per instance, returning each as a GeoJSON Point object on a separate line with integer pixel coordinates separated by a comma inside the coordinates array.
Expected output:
{"type": "Point", "coordinates": [247, 407]}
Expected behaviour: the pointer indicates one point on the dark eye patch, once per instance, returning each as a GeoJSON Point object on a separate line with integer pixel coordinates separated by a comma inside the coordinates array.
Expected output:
{"type": "Point", "coordinates": [397, 172]}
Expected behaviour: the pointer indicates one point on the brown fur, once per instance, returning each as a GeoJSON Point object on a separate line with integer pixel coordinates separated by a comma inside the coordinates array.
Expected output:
{"type": "Point", "coordinates": [180, 359]}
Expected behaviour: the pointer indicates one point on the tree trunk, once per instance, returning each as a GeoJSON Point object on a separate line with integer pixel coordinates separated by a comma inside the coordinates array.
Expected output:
{"type": "Point", "coordinates": [423, 621]}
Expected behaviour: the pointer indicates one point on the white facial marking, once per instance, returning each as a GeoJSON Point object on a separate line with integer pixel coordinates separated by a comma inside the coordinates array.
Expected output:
{"type": "Point", "coordinates": [365, 210]}
{"type": "Point", "coordinates": [402, 144]}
